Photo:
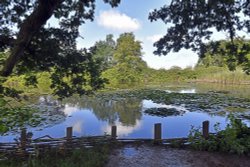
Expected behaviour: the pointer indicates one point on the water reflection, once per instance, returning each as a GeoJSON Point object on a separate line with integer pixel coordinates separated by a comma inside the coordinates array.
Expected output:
{"type": "Point", "coordinates": [124, 131]}
{"type": "Point", "coordinates": [150, 104]}
{"type": "Point", "coordinates": [126, 110]}
{"type": "Point", "coordinates": [95, 116]}
{"type": "Point", "coordinates": [188, 91]}
{"type": "Point", "coordinates": [193, 90]}
{"type": "Point", "coordinates": [124, 113]}
{"type": "Point", "coordinates": [69, 110]}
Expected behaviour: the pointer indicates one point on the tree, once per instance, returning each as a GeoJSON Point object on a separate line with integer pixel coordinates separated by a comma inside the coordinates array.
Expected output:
{"type": "Point", "coordinates": [35, 47]}
{"type": "Point", "coordinates": [103, 52]}
{"type": "Point", "coordinates": [218, 53]}
{"type": "Point", "coordinates": [191, 23]}
{"type": "Point", "coordinates": [128, 68]}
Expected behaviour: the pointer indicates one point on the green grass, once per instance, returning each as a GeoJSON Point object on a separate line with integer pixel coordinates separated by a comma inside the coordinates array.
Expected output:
{"type": "Point", "coordinates": [91, 157]}
{"type": "Point", "coordinates": [224, 76]}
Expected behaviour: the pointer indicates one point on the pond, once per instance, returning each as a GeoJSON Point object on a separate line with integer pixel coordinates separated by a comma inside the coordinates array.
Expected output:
{"type": "Point", "coordinates": [135, 112]}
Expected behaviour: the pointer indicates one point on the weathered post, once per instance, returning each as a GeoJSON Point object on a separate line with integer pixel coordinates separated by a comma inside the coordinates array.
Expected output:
{"type": "Point", "coordinates": [157, 132]}
{"type": "Point", "coordinates": [113, 132]}
{"type": "Point", "coordinates": [23, 139]}
{"type": "Point", "coordinates": [69, 133]}
{"type": "Point", "coordinates": [205, 129]}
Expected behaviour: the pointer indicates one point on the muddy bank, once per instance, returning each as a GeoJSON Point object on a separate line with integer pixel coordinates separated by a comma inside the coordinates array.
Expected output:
{"type": "Point", "coordinates": [158, 156]}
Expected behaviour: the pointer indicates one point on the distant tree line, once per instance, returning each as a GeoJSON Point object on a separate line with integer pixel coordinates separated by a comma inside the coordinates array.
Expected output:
{"type": "Point", "coordinates": [34, 47]}
{"type": "Point", "coordinates": [218, 53]}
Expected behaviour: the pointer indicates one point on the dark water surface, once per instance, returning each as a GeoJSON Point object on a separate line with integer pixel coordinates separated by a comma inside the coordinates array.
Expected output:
{"type": "Point", "coordinates": [135, 118]}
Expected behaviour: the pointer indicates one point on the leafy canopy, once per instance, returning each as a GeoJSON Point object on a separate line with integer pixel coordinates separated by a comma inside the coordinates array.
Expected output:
{"type": "Point", "coordinates": [128, 64]}
{"type": "Point", "coordinates": [218, 53]}
{"type": "Point", "coordinates": [103, 52]}
{"type": "Point", "coordinates": [35, 47]}
{"type": "Point", "coordinates": [191, 22]}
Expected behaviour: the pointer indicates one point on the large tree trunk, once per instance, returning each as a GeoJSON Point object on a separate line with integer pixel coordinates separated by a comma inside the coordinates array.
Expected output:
{"type": "Point", "coordinates": [28, 29]}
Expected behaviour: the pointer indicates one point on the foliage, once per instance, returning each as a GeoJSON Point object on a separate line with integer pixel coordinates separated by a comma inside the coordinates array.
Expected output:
{"type": "Point", "coordinates": [103, 52]}
{"type": "Point", "coordinates": [36, 47]}
{"type": "Point", "coordinates": [222, 75]}
{"type": "Point", "coordinates": [15, 118]}
{"type": "Point", "coordinates": [74, 72]}
{"type": "Point", "coordinates": [16, 114]}
{"type": "Point", "coordinates": [247, 64]}
{"type": "Point", "coordinates": [88, 157]}
{"type": "Point", "coordinates": [128, 68]}
{"type": "Point", "coordinates": [234, 139]}
{"type": "Point", "coordinates": [192, 22]}
{"type": "Point", "coordinates": [172, 75]}
{"type": "Point", "coordinates": [44, 82]}
{"type": "Point", "coordinates": [219, 53]}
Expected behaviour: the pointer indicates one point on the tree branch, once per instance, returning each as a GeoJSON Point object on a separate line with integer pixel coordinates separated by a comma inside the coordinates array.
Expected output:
{"type": "Point", "coordinates": [28, 29]}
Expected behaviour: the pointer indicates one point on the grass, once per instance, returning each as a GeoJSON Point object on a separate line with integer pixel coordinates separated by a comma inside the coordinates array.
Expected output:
{"type": "Point", "coordinates": [89, 157]}
{"type": "Point", "coordinates": [226, 77]}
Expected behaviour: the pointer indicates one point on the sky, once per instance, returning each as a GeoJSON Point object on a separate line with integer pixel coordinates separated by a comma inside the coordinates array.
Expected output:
{"type": "Point", "coordinates": [132, 16]}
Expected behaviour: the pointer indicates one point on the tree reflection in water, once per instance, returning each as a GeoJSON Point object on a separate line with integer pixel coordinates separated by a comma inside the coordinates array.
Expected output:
{"type": "Point", "coordinates": [125, 110]}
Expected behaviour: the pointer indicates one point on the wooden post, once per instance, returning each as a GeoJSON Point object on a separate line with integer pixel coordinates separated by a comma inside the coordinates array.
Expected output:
{"type": "Point", "coordinates": [23, 139]}
{"type": "Point", "coordinates": [69, 132]}
{"type": "Point", "coordinates": [205, 129]}
{"type": "Point", "coordinates": [113, 132]}
{"type": "Point", "coordinates": [157, 132]}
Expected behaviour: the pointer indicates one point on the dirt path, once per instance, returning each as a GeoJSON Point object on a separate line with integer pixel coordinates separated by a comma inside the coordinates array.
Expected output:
{"type": "Point", "coordinates": [158, 156]}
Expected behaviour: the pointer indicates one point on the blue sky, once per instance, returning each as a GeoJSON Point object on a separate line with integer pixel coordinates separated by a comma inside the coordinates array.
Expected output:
{"type": "Point", "coordinates": [132, 16]}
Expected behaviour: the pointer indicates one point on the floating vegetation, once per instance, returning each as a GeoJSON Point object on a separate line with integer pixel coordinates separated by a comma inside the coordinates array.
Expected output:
{"type": "Point", "coordinates": [235, 109]}
{"type": "Point", "coordinates": [163, 112]}
{"type": "Point", "coordinates": [213, 102]}
{"type": "Point", "coordinates": [125, 105]}
{"type": "Point", "coordinates": [16, 118]}
{"type": "Point", "coordinates": [11, 119]}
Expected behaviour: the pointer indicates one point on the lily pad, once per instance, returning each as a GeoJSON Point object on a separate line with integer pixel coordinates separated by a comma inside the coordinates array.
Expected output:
{"type": "Point", "coordinates": [163, 112]}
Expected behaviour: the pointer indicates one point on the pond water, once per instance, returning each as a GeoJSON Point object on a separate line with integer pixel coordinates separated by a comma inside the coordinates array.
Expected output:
{"type": "Point", "coordinates": [135, 112]}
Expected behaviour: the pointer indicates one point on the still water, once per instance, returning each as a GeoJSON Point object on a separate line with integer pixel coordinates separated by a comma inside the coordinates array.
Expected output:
{"type": "Point", "coordinates": [93, 116]}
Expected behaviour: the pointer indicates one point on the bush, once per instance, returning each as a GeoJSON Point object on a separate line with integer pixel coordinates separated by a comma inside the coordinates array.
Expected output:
{"type": "Point", "coordinates": [234, 139]}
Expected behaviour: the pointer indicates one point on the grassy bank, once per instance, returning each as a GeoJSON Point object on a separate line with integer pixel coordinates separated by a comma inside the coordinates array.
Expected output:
{"type": "Point", "coordinates": [91, 157]}
{"type": "Point", "coordinates": [147, 78]}
{"type": "Point", "coordinates": [222, 76]}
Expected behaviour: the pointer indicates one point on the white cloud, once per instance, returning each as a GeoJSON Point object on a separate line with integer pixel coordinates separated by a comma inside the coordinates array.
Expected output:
{"type": "Point", "coordinates": [117, 21]}
{"type": "Point", "coordinates": [154, 38]}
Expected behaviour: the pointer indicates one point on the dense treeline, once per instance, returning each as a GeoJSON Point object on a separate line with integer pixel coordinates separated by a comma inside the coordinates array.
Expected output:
{"type": "Point", "coordinates": [37, 48]}
{"type": "Point", "coordinates": [218, 53]}
{"type": "Point", "coordinates": [121, 65]}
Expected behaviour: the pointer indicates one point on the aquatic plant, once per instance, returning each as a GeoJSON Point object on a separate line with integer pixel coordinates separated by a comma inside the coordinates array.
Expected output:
{"type": "Point", "coordinates": [234, 139]}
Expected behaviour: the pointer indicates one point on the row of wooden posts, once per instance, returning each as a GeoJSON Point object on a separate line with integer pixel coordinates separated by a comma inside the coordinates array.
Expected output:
{"type": "Point", "coordinates": [157, 133]}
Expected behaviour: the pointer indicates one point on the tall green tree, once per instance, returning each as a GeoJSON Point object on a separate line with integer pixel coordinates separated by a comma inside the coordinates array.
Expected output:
{"type": "Point", "coordinates": [104, 51]}
{"type": "Point", "coordinates": [191, 22]}
{"type": "Point", "coordinates": [128, 68]}
{"type": "Point", "coordinates": [35, 47]}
